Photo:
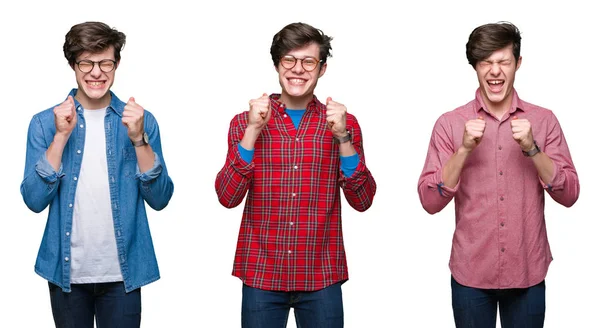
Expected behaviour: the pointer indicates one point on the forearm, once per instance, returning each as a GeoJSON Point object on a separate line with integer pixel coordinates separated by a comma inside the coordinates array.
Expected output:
{"type": "Point", "coordinates": [145, 157]}
{"type": "Point", "coordinates": [453, 167]}
{"type": "Point", "coordinates": [249, 138]}
{"type": "Point", "coordinates": [544, 166]}
{"type": "Point", "coordinates": [55, 150]}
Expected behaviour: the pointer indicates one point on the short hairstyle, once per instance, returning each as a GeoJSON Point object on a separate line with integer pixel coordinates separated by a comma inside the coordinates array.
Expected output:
{"type": "Point", "coordinates": [486, 39]}
{"type": "Point", "coordinates": [93, 37]}
{"type": "Point", "coordinates": [297, 35]}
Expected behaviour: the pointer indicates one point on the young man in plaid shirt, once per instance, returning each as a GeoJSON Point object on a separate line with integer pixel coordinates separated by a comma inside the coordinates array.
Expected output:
{"type": "Point", "coordinates": [294, 156]}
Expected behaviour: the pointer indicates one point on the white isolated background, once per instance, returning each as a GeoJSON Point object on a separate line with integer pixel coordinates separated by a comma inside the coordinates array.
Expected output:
{"type": "Point", "coordinates": [396, 65]}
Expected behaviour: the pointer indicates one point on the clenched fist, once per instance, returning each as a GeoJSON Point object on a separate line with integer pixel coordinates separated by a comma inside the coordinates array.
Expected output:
{"type": "Point", "coordinates": [65, 117]}
{"type": "Point", "coordinates": [259, 113]}
{"type": "Point", "coordinates": [133, 119]}
{"type": "Point", "coordinates": [473, 133]}
{"type": "Point", "coordinates": [521, 129]}
{"type": "Point", "coordinates": [336, 118]}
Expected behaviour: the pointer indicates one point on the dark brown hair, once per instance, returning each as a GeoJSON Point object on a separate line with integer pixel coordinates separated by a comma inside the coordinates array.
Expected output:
{"type": "Point", "coordinates": [486, 39]}
{"type": "Point", "coordinates": [297, 35]}
{"type": "Point", "coordinates": [93, 37]}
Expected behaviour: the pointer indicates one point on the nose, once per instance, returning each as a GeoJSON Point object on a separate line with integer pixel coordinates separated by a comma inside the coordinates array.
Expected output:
{"type": "Point", "coordinates": [96, 72]}
{"type": "Point", "coordinates": [298, 68]}
{"type": "Point", "coordinates": [495, 69]}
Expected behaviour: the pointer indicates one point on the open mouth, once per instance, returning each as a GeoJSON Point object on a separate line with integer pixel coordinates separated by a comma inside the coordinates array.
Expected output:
{"type": "Point", "coordinates": [495, 85]}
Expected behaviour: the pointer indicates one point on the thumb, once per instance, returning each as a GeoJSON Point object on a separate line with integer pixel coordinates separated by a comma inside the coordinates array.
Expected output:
{"type": "Point", "coordinates": [131, 99]}
{"type": "Point", "coordinates": [515, 117]}
{"type": "Point", "coordinates": [480, 117]}
{"type": "Point", "coordinates": [328, 100]}
{"type": "Point", "coordinates": [264, 94]}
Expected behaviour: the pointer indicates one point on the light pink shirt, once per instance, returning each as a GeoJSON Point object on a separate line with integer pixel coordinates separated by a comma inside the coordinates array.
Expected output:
{"type": "Point", "coordinates": [500, 239]}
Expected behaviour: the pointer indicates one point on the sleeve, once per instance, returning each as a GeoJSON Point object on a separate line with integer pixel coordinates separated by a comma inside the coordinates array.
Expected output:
{"type": "Point", "coordinates": [433, 194]}
{"type": "Point", "coordinates": [156, 187]}
{"type": "Point", "coordinates": [40, 180]}
{"type": "Point", "coordinates": [360, 187]}
{"type": "Point", "coordinates": [234, 179]}
{"type": "Point", "coordinates": [564, 187]}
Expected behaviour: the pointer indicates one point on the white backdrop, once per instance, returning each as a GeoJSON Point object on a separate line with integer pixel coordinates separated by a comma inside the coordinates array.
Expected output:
{"type": "Point", "coordinates": [396, 67]}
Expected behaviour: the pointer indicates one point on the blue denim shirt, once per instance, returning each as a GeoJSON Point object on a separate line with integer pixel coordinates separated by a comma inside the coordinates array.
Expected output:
{"type": "Point", "coordinates": [43, 186]}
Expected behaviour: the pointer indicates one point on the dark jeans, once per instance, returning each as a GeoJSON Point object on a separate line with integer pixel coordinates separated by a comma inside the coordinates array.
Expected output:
{"type": "Point", "coordinates": [267, 309]}
{"type": "Point", "coordinates": [108, 302]}
{"type": "Point", "coordinates": [519, 307]}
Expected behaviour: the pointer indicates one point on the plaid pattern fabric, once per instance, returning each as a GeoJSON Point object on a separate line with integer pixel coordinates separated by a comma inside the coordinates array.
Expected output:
{"type": "Point", "coordinates": [290, 237]}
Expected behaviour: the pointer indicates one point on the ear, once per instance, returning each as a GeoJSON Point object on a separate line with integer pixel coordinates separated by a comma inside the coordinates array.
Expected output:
{"type": "Point", "coordinates": [519, 63]}
{"type": "Point", "coordinates": [323, 69]}
{"type": "Point", "coordinates": [117, 65]}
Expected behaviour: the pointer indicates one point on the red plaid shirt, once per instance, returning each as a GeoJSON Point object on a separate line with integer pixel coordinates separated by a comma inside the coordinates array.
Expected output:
{"type": "Point", "coordinates": [291, 232]}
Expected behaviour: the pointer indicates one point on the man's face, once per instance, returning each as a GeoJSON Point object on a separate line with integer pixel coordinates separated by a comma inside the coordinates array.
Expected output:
{"type": "Point", "coordinates": [300, 81]}
{"type": "Point", "coordinates": [496, 75]}
{"type": "Point", "coordinates": [95, 79]}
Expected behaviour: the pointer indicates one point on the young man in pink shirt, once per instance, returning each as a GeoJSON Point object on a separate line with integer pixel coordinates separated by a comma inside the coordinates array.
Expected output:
{"type": "Point", "coordinates": [496, 156]}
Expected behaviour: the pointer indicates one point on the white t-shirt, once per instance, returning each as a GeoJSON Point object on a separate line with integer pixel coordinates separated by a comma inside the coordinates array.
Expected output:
{"type": "Point", "coordinates": [94, 257]}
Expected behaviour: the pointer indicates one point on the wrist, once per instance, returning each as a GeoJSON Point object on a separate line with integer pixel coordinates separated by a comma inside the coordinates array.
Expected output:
{"type": "Point", "coordinates": [61, 138]}
{"type": "Point", "coordinates": [342, 137]}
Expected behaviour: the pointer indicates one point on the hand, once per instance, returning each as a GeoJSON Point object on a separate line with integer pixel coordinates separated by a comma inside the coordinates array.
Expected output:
{"type": "Point", "coordinates": [260, 112]}
{"type": "Point", "coordinates": [521, 129]}
{"type": "Point", "coordinates": [473, 133]}
{"type": "Point", "coordinates": [133, 119]}
{"type": "Point", "coordinates": [65, 117]}
{"type": "Point", "coordinates": [336, 118]}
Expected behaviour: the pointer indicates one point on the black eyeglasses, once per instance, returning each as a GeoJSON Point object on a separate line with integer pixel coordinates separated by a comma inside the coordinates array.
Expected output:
{"type": "Point", "coordinates": [106, 65]}
{"type": "Point", "coordinates": [308, 63]}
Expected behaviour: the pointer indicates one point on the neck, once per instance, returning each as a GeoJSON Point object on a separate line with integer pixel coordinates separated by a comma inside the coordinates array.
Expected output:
{"type": "Point", "coordinates": [88, 103]}
{"type": "Point", "coordinates": [295, 102]}
{"type": "Point", "coordinates": [498, 109]}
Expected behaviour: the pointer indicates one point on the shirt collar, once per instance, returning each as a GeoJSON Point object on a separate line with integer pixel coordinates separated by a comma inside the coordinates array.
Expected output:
{"type": "Point", "coordinates": [116, 105]}
{"type": "Point", "coordinates": [516, 104]}
{"type": "Point", "coordinates": [276, 103]}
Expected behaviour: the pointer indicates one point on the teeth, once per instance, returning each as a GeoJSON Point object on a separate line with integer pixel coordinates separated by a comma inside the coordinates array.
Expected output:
{"type": "Point", "coordinates": [296, 80]}
{"type": "Point", "coordinates": [495, 82]}
{"type": "Point", "coordinates": [95, 83]}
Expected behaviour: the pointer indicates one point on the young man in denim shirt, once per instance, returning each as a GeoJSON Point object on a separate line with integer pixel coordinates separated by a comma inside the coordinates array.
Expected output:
{"type": "Point", "coordinates": [96, 161]}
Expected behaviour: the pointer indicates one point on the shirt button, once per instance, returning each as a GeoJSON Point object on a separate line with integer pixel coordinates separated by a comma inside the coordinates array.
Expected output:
{"type": "Point", "coordinates": [295, 167]}
{"type": "Point", "coordinates": [75, 178]}
{"type": "Point", "coordinates": [78, 151]}
{"type": "Point", "coordinates": [293, 194]}
{"type": "Point", "coordinates": [502, 224]}
{"type": "Point", "coordinates": [502, 249]}
{"type": "Point", "coordinates": [68, 234]}
{"type": "Point", "coordinates": [81, 126]}
{"type": "Point", "coordinates": [291, 223]}
{"type": "Point", "coordinates": [297, 139]}
{"type": "Point", "coordinates": [499, 147]}
{"type": "Point", "coordinates": [290, 251]}
{"type": "Point", "coordinates": [67, 259]}
{"type": "Point", "coordinates": [500, 173]}
{"type": "Point", "coordinates": [70, 205]}
{"type": "Point", "coordinates": [501, 198]}
{"type": "Point", "coordinates": [284, 115]}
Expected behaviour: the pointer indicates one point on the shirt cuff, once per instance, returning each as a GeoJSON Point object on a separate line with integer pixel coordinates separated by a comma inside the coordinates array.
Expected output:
{"type": "Point", "coordinates": [152, 173]}
{"type": "Point", "coordinates": [247, 155]}
{"type": "Point", "coordinates": [348, 164]}
{"type": "Point", "coordinates": [46, 171]}
{"type": "Point", "coordinates": [442, 189]}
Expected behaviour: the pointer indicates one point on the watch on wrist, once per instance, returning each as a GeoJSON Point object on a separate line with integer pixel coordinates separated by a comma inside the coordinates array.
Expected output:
{"type": "Point", "coordinates": [532, 152]}
{"type": "Point", "coordinates": [142, 142]}
{"type": "Point", "coordinates": [343, 139]}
